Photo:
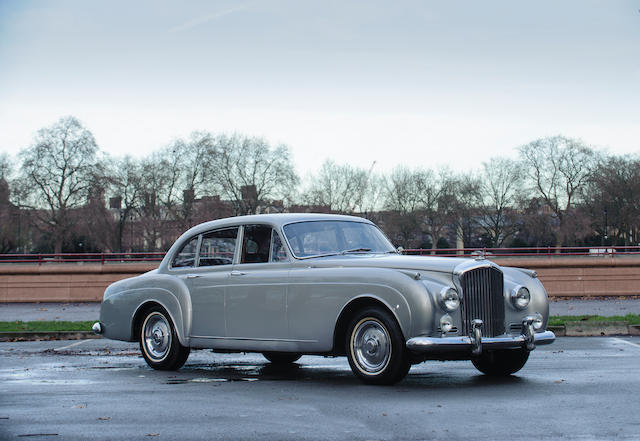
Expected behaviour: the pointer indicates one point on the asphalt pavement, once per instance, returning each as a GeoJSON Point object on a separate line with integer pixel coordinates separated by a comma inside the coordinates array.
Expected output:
{"type": "Point", "coordinates": [91, 311]}
{"type": "Point", "coordinates": [576, 389]}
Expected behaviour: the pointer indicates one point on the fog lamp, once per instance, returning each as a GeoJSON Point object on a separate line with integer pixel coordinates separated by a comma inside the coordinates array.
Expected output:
{"type": "Point", "coordinates": [446, 323]}
{"type": "Point", "coordinates": [520, 297]}
{"type": "Point", "coordinates": [537, 321]}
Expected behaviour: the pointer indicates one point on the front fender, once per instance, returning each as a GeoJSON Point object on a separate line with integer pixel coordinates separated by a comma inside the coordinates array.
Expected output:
{"type": "Point", "coordinates": [123, 301]}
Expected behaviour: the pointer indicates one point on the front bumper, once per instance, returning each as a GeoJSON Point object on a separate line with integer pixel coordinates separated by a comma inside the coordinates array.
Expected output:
{"type": "Point", "coordinates": [475, 343]}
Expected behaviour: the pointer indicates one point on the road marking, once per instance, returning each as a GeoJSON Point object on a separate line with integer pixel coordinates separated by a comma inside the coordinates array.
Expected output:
{"type": "Point", "coordinates": [627, 342]}
{"type": "Point", "coordinates": [71, 345]}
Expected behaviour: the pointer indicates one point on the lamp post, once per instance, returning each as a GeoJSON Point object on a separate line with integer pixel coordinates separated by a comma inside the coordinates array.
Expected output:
{"type": "Point", "coordinates": [606, 226]}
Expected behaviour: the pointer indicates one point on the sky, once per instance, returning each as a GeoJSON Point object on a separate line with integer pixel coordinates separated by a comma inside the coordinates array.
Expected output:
{"type": "Point", "coordinates": [415, 83]}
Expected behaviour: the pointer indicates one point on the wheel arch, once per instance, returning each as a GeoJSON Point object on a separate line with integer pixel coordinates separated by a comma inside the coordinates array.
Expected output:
{"type": "Point", "coordinates": [347, 313]}
{"type": "Point", "coordinates": [176, 319]}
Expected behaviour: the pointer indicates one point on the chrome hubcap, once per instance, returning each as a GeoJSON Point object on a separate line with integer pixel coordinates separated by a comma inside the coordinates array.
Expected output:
{"type": "Point", "coordinates": [371, 345]}
{"type": "Point", "coordinates": [157, 336]}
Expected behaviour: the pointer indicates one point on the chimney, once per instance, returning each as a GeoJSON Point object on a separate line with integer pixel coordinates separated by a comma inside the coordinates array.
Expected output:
{"type": "Point", "coordinates": [115, 202]}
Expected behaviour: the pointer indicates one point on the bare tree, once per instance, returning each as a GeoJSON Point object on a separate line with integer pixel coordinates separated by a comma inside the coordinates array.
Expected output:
{"type": "Point", "coordinates": [466, 191]}
{"type": "Point", "coordinates": [249, 172]}
{"type": "Point", "coordinates": [558, 169]}
{"type": "Point", "coordinates": [57, 171]}
{"type": "Point", "coordinates": [402, 199]}
{"type": "Point", "coordinates": [196, 161]}
{"type": "Point", "coordinates": [159, 198]}
{"type": "Point", "coordinates": [343, 188]}
{"type": "Point", "coordinates": [425, 194]}
{"type": "Point", "coordinates": [127, 186]}
{"type": "Point", "coordinates": [437, 201]}
{"type": "Point", "coordinates": [403, 190]}
{"type": "Point", "coordinates": [500, 188]}
{"type": "Point", "coordinates": [613, 200]}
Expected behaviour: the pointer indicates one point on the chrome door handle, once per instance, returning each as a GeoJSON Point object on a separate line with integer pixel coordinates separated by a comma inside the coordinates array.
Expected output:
{"type": "Point", "coordinates": [237, 273]}
{"type": "Point", "coordinates": [193, 276]}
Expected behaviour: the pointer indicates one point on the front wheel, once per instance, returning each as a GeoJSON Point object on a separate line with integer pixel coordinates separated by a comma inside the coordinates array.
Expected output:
{"type": "Point", "coordinates": [501, 363]}
{"type": "Point", "coordinates": [159, 343]}
{"type": "Point", "coordinates": [376, 347]}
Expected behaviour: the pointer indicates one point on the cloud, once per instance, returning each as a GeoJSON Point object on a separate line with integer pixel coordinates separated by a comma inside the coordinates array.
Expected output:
{"type": "Point", "coordinates": [206, 19]}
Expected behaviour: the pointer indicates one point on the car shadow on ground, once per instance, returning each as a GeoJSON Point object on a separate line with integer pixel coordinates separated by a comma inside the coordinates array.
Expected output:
{"type": "Point", "coordinates": [337, 374]}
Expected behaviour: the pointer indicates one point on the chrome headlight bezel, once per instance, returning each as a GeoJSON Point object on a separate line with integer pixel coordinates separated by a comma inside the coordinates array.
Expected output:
{"type": "Point", "coordinates": [449, 299]}
{"type": "Point", "coordinates": [520, 297]}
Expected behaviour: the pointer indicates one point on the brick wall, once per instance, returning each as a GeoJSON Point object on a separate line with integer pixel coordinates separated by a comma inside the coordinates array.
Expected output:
{"type": "Point", "coordinates": [562, 276]}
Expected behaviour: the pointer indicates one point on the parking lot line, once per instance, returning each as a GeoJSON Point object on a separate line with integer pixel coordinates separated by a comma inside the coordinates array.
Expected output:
{"type": "Point", "coordinates": [71, 345]}
{"type": "Point", "coordinates": [627, 342]}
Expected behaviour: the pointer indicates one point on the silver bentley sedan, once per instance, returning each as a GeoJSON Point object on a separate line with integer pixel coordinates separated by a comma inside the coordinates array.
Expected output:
{"type": "Point", "coordinates": [291, 284]}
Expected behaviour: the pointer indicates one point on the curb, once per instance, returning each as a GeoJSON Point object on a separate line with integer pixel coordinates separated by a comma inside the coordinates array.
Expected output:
{"type": "Point", "coordinates": [594, 329]}
{"type": "Point", "coordinates": [39, 336]}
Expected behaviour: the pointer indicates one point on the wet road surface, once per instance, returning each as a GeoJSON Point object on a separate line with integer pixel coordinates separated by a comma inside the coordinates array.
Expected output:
{"type": "Point", "coordinates": [576, 389]}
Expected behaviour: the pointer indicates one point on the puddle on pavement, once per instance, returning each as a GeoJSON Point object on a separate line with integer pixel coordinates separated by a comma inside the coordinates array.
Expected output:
{"type": "Point", "coordinates": [52, 382]}
{"type": "Point", "coordinates": [207, 380]}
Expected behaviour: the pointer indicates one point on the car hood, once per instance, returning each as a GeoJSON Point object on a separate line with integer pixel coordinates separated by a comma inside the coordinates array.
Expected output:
{"type": "Point", "coordinates": [394, 261]}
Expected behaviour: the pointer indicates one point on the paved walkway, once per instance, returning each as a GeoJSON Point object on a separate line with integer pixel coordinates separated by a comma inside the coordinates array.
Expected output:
{"type": "Point", "coordinates": [596, 307]}
{"type": "Point", "coordinates": [27, 312]}
{"type": "Point", "coordinates": [91, 311]}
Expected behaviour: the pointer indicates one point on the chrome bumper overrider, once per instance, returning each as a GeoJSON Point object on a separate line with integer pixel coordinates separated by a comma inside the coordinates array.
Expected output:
{"type": "Point", "coordinates": [475, 342]}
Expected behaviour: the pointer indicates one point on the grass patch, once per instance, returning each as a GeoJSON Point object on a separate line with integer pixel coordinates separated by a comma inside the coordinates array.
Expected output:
{"type": "Point", "coordinates": [560, 320]}
{"type": "Point", "coordinates": [45, 326]}
{"type": "Point", "coordinates": [58, 326]}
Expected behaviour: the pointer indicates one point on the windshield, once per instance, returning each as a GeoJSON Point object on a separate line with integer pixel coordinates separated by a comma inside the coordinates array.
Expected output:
{"type": "Point", "coordinates": [322, 238]}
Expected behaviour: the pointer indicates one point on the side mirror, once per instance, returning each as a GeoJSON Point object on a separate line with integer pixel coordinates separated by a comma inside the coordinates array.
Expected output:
{"type": "Point", "coordinates": [400, 250]}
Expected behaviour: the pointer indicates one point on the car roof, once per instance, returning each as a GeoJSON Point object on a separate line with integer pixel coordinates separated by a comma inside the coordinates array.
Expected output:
{"type": "Point", "coordinates": [275, 219]}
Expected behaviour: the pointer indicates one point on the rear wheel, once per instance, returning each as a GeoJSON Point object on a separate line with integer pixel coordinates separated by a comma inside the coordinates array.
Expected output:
{"type": "Point", "coordinates": [376, 347]}
{"type": "Point", "coordinates": [501, 363]}
{"type": "Point", "coordinates": [159, 343]}
{"type": "Point", "coordinates": [282, 357]}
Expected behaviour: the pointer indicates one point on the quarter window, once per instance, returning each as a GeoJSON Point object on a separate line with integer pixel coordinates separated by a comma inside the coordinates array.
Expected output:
{"type": "Point", "coordinates": [218, 247]}
{"type": "Point", "coordinates": [278, 254]}
{"type": "Point", "coordinates": [186, 257]}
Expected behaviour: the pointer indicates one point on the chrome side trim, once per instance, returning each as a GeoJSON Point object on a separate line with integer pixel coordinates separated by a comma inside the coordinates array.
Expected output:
{"type": "Point", "coordinates": [443, 345]}
{"type": "Point", "coordinates": [254, 339]}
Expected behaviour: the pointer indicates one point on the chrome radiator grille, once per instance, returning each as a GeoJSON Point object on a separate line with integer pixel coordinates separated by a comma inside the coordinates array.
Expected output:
{"type": "Point", "coordinates": [482, 294]}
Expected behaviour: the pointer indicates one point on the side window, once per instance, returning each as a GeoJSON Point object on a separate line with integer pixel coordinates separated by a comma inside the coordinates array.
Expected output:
{"type": "Point", "coordinates": [218, 247]}
{"type": "Point", "coordinates": [278, 254]}
{"type": "Point", "coordinates": [186, 257]}
{"type": "Point", "coordinates": [256, 244]}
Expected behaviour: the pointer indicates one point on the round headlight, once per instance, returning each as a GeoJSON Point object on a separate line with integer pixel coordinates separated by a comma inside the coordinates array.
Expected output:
{"type": "Point", "coordinates": [446, 323]}
{"type": "Point", "coordinates": [449, 299]}
{"type": "Point", "coordinates": [520, 297]}
{"type": "Point", "coordinates": [537, 322]}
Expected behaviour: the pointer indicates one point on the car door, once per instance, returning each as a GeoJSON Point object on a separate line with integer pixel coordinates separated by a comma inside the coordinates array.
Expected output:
{"type": "Point", "coordinates": [256, 298]}
{"type": "Point", "coordinates": [209, 280]}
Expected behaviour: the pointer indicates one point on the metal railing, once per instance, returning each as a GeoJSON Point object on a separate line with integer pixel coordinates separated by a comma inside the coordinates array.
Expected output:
{"type": "Point", "coordinates": [101, 258]}
{"type": "Point", "coordinates": [527, 251]}
{"type": "Point", "coordinates": [104, 258]}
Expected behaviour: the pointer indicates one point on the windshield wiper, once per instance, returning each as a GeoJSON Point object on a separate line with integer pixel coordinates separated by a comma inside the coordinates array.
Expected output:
{"type": "Point", "coordinates": [341, 253]}
{"type": "Point", "coordinates": [356, 250]}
